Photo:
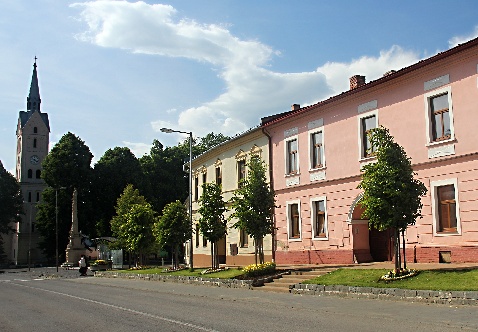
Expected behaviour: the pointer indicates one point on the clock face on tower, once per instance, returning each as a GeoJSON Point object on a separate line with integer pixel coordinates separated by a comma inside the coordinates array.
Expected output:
{"type": "Point", "coordinates": [34, 159]}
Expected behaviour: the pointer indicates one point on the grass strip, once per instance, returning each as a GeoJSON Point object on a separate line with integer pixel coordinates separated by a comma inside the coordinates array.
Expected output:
{"type": "Point", "coordinates": [444, 280]}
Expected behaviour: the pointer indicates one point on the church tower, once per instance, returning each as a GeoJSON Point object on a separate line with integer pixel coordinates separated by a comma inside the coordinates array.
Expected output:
{"type": "Point", "coordinates": [33, 133]}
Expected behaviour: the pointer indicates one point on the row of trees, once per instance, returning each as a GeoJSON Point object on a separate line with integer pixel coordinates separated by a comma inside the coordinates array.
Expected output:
{"type": "Point", "coordinates": [252, 205]}
{"type": "Point", "coordinates": [158, 176]}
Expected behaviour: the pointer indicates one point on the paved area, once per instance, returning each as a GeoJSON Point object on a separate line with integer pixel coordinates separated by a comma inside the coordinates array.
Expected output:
{"type": "Point", "coordinates": [41, 272]}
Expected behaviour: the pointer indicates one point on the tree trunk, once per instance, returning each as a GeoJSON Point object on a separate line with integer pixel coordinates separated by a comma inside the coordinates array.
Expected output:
{"type": "Point", "coordinates": [396, 235]}
{"type": "Point", "coordinates": [404, 254]}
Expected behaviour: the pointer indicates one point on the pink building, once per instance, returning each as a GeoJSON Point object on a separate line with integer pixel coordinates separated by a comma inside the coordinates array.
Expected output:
{"type": "Point", "coordinates": [431, 109]}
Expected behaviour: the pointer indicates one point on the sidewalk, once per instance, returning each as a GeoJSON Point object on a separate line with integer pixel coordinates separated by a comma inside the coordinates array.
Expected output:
{"type": "Point", "coordinates": [41, 272]}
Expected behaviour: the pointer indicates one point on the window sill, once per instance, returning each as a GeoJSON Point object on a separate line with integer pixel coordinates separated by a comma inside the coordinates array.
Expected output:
{"type": "Point", "coordinates": [318, 169]}
{"type": "Point", "coordinates": [291, 175]}
{"type": "Point", "coordinates": [439, 143]}
{"type": "Point", "coordinates": [295, 239]}
{"type": "Point", "coordinates": [320, 238]}
{"type": "Point", "coordinates": [450, 233]}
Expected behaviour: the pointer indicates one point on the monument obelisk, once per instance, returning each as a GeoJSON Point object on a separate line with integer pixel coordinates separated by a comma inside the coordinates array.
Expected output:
{"type": "Point", "coordinates": [75, 249]}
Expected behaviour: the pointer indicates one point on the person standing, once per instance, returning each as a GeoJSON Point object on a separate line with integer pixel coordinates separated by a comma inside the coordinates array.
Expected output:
{"type": "Point", "coordinates": [82, 264]}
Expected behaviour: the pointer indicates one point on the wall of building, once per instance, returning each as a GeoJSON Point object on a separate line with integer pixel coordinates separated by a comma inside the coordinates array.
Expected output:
{"type": "Point", "coordinates": [401, 105]}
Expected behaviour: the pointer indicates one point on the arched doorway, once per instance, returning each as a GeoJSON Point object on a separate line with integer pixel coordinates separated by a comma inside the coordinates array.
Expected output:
{"type": "Point", "coordinates": [368, 244]}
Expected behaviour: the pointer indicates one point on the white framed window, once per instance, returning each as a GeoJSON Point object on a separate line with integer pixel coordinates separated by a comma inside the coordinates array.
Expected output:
{"type": "Point", "coordinates": [439, 116]}
{"type": "Point", "coordinates": [319, 218]}
{"type": "Point", "coordinates": [366, 122]}
{"type": "Point", "coordinates": [292, 156]}
{"type": "Point", "coordinates": [445, 207]}
{"type": "Point", "coordinates": [316, 148]}
{"type": "Point", "coordinates": [241, 172]}
{"type": "Point", "coordinates": [294, 228]}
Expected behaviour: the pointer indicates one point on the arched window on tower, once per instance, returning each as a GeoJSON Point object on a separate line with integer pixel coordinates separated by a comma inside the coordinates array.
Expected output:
{"type": "Point", "coordinates": [29, 196]}
{"type": "Point", "coordinates": [38, 174]}
{"type": "Point", "coordinates": [34, 142]}
{"type": "Point", "coordinates": [30, 173]}
{"type": "Point", "coordinates": [35, 130]}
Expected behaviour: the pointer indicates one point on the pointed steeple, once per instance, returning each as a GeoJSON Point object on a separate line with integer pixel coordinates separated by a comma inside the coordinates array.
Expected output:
{"type": "Point", "coordinates": [33, 99]}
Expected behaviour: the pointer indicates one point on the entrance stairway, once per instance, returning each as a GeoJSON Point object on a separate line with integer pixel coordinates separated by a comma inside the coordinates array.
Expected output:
{"type": "Point", "coordinates": [282, 284]}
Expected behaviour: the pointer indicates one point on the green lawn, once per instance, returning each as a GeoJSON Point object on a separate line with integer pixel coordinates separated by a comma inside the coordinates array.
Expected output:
{"type": "Point", "coordinates": [447, 280]}
{"type": "Point", "coordinates": [227, 274]}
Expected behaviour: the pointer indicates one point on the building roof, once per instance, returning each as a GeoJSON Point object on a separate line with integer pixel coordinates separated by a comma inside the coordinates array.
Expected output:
{"type": "Point", "coordinates": [269, 120]}
{"type": "Point", "coordinates": [33, 101]}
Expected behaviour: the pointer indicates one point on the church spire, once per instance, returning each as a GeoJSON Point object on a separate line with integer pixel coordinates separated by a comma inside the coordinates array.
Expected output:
{"type": "Point", "coordinates": [33, 99]}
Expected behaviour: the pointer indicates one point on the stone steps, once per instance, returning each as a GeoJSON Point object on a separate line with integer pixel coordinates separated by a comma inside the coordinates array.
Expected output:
{"type": "Point", "coordinates": [282, 285]}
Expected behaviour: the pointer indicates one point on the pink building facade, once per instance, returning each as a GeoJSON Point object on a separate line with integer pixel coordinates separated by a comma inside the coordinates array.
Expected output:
{"type": "Point", "coordinates": [431, 109]}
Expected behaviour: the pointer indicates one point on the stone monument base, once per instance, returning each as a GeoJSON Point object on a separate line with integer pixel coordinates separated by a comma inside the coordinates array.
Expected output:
{"type": "Point", "coordinates": [73, 256]}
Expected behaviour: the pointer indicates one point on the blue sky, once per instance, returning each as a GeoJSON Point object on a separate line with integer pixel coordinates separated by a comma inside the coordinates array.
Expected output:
{"type": "Point", "coordinates": [115, 72]}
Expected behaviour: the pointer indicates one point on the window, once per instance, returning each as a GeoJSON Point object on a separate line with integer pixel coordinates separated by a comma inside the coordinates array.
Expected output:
{"type": "Point", "coordinates": [34, 142]}
{"type": "Point", "coordinates": [440, 117]}
{"type": "Point", "coordinates": [292, 157]}
{"type": "Point", "coordinates": [241, 171]}
{"type": "Point", "coordinates": [38, 196]}
{"type": "Point", "coordinates": [367, 124]}
{"type": "Point", "coordinates": [218, 176]}
{"type": "Point", "coordinates": [38, 174]}
{"type": "Point", "coordinates": [204, 177]}
{"type": "Point", "coordinates": [317, 151]}
{"type": "Point", "coordinates": [243, 238]}
{"type": "Point", "coordinates": [294, 220]}
{"type": "Point", "coordinates": [30, 174]}
{"type": "Point", "coordinates": [196, 188]}
{"type": "Point", "coordinates": [204, 241]}
{"type": "Point", "coordinates": [445, 207]}
{"type": "Point", "coordinates": [319, 220]}
{"type": "Point", "coordinates": [29, 196]}
{"type": "Point", "coordinates": [439, 112]}
{"type": "Point", "coordinates": [35, 130]}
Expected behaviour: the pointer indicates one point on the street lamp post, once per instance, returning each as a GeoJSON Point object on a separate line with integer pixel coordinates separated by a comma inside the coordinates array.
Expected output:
{"type": "Point", "coordinates": [167, 130]}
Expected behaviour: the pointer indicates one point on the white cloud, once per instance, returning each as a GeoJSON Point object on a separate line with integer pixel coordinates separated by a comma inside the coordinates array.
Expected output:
{"type": "Point", "coordinates": [454, 41]}
{"type": "Point", "coordinates": [251, 91]}
{"type": "Point", "coordinates": [138, 149]}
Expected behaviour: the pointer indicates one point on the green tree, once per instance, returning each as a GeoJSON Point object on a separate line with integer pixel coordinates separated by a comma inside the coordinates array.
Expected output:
{"type": "Point", "coordinates": [391, 197]}
{"type": "Point", "coordinates": [133, 222]}
{"type": "Point", "coordinates": [11, 204]}
{"type": "Point", "coordinates": [212, 223]}
{"type": "Point", "coordinates": [172, 229]}
{"type": "Point", "coordinates": [66, 166]}
{"type": "Point", "coordinates": [163, 169]}
{"type": "Point", "coordinates": [116, 169]}
{"type": "Point", "coordinates": [253, 205]}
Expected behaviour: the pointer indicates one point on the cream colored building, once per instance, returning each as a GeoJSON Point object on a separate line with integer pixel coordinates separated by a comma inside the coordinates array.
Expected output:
{"type": "Point", "coordinates": [225, 164]}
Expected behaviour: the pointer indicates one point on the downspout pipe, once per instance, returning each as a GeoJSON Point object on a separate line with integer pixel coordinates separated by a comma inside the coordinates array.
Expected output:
{"type": "Point", "coordinates": [271, 183]}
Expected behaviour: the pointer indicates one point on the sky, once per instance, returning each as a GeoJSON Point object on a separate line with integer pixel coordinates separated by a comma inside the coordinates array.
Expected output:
{"type": "Point", "coordinates": [115, 72]}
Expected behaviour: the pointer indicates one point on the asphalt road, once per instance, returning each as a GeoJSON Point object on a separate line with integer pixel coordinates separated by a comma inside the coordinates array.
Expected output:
{"type": "Point", "coordinates": [47, 302]}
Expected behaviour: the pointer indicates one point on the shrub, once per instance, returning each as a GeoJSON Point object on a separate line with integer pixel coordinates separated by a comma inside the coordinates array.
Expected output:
{"type": "Point", "coordinates": [255, 270]}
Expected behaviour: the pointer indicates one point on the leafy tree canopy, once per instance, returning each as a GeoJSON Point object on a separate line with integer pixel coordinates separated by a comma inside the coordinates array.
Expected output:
{"type": "Point", "coordinates": [212, 223]}
{"type": "Point", "coordinates": [173, 228]}
{"type": "Point", "coordinates": [391, 196]}
{"type": "Point", "coordinates": [11, 200]}
{"type": "Point", "coordinates": [133, 222]}
{"type": "Point", "coordinates": [254, 203]}
{"type": "Point", "coordinates": [68, 163]}
{"type": "Point", "coordinates": [116, 169]}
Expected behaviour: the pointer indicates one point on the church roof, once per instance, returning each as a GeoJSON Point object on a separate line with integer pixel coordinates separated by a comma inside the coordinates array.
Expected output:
{"type": "Point", "coordinates": [33, 101]}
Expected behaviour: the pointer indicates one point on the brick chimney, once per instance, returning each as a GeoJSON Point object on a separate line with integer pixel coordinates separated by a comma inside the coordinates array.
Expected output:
{"type": "Point", "coordinates": [356, 81]}
{"type": "Point", "coordinates": [295, 107]}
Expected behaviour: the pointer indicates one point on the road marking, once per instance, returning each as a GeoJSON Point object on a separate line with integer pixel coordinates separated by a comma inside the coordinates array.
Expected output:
{"type": "Point", "coordinates": [177, 322]}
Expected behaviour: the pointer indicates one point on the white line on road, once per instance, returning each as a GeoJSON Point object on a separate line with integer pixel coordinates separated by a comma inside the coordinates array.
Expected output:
{"type": "Point", "coordinates": [197, 327]}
